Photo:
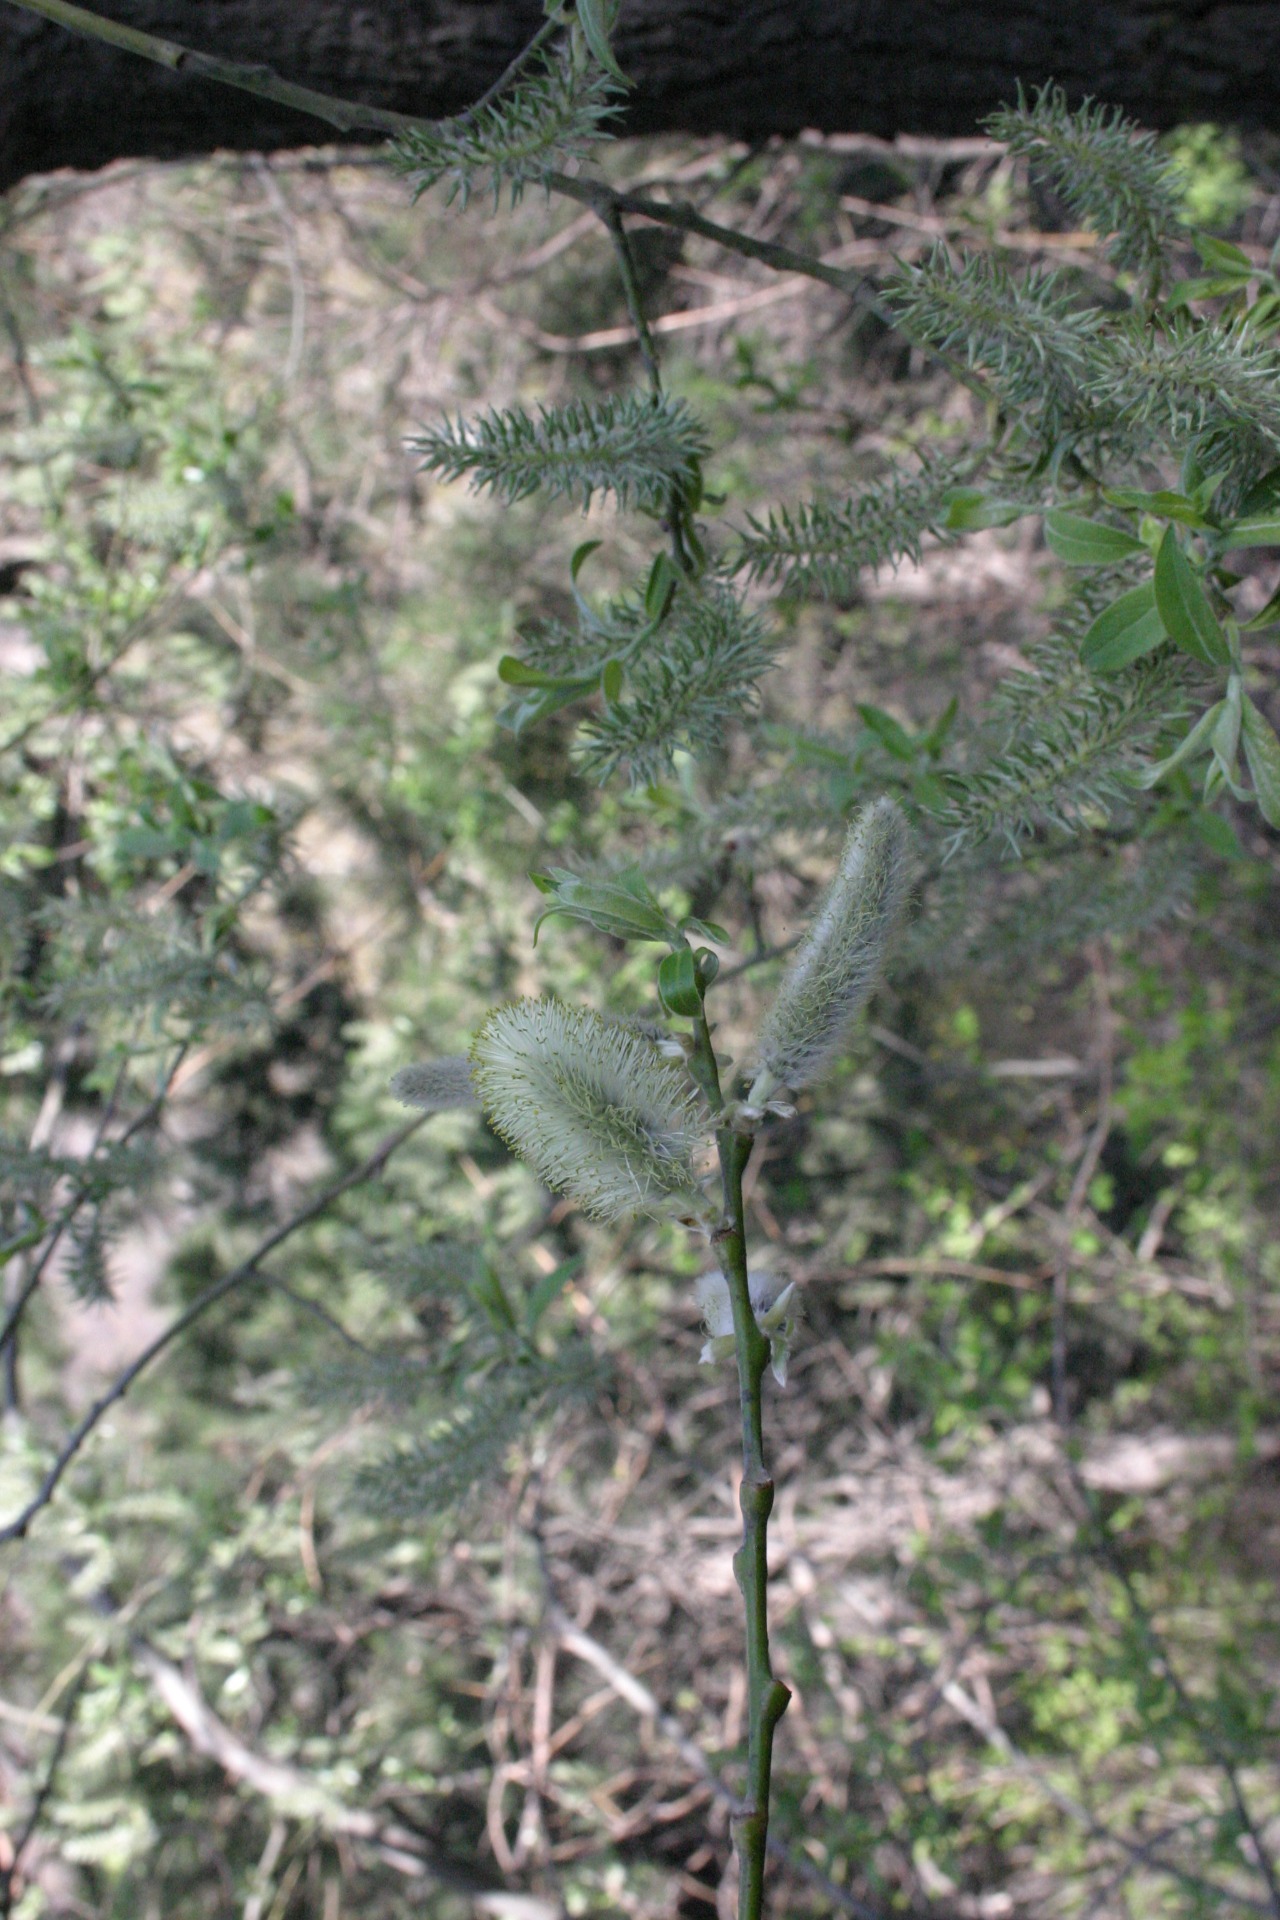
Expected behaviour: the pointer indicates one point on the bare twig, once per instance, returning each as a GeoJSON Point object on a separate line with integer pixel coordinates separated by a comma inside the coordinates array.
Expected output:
{"type": "Point", "coordinates": [298, 1795]}
{"type": "Point", "coordinates": [348, 116]}
{"type": "Point", "coordinates": [22, 1840]}
{"type": "Point", "coordinates": [1085, 1171]}
{"type": "Point", "coordinates": [17, 1527]}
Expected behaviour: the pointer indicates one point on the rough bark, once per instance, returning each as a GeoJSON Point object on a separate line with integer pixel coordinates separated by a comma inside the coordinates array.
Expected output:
{"type": "Point", "coordinates": [743, 67]}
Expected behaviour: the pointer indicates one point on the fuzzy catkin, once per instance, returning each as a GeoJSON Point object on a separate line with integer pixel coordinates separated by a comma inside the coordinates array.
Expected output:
{"type": "Point", "coordinates": [593, 1106]}
{"type": "Point", "coordinates": [434, 1086]}
{"type": "Point", "coordinates": [839, 959]}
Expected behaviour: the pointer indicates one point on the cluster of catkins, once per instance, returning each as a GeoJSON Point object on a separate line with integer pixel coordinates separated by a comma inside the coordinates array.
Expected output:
{"type": "Point", "coordinates": [606, 1111]}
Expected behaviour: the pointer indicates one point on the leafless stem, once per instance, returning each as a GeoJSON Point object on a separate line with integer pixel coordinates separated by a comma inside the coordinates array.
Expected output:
{"type": "Point", "coordinates": [219, 1289]}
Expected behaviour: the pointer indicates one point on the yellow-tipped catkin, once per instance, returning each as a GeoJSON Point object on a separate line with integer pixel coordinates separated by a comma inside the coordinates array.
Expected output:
{"type": "Point", "coordinates": [840, 957]}
{"type": "Point", "coordinates": [593, 1106]}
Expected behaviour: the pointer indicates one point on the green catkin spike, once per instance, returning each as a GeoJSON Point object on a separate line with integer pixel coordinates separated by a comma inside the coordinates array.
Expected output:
{"type": "Point", "coordinates": [433, 1086]}
{"type": "Point", "coordinates": [839, 959]}
{"type": "Point", "coordinates": [594, 1107]}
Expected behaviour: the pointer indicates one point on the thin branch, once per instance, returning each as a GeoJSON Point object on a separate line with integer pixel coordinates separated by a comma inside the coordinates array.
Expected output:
{"type": "Point", "coordinates": [515, 67]}
{"type": "Point", "coordinates": [1188, 1706]}
{"type": "Point", "coordinates": [348, 115]}
{"type": "Point", "coordinates": [1138, 1852]}
{"type": "Point", "coordinates": [631, 287]}
{"type": "Point", "coordinates": [23, 1839]}
{"type": "Point", "coordinates": [298, 1794]}
{"type": "Point", "coordinates": [248, 77]}
{"type": "Point", "coordinates": [16, 1529]}
{"type": "Point", "coordinates": [576, 1640]}
{"type": "Point", "coordinates": [55, 1232]}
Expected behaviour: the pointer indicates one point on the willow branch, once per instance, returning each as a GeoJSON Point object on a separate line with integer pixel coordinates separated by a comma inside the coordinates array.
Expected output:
{"type": "Point", "coordinates": [350, 115]}
{"type": "Point", "coordinates": [22, 1840]}
{"type": "Point", "coordinates": [346, 115]}
{"type": "Point", "coordinates": [219, 1289]}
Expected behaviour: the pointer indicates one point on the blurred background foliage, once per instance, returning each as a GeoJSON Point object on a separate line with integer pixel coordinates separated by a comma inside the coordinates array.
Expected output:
{"type": "Point", "coordinates": [264, 843]}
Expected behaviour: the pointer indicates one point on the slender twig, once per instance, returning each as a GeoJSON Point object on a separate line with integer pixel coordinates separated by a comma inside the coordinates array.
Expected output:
{"type": "Point", "coordinates": [1139, 1852]}
{"type": "Point", "coordinates": [515, 67]}
{"type": "Point", "coordinates": [643, 1701]}
{"type": "Point", "coordinates": [247, 76]}
{"type": "Point", "coordinates": [1088, 1166]}
{"type": "Point", "coordinates": [17, 1527]}
{"type": "Point", "coordinates": [287, 1786]}
{"type": "Point", "coordinates": [1189, 1707]}
{"type": "Point", "coordinates": [626, 258]}
{"type": "Point", "coordinates": [55, 1231]}
{"type": "Point", "coordinates": [22, 1840]}
{"type": "Point", "coordinates": [349, 115]}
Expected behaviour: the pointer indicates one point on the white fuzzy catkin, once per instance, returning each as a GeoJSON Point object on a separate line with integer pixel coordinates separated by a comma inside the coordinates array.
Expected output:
{"type": "Point", "coordinates": [434, 1086]}
{"type": "Point", "coordinates": [838, 961]}
{"type": "Point", "coordinates": [593, 1106]}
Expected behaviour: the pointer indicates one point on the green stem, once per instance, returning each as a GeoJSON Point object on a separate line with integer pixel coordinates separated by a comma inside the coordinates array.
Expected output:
{"type": "Point", "coordinates": [766, 1697]}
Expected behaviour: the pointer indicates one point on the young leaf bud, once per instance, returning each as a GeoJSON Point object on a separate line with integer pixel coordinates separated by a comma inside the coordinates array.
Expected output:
{"type": "Point", "coordinates": [773, 1305]}
{"type": "Point", "coordinates": [593, 1106]}
{"type": "Point", "coordinates": [436, 1085]}
{"type": "Point", "coordinates": [839, 959]}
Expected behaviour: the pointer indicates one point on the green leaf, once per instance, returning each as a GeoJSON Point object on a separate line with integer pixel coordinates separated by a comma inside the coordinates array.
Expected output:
{"type": "Point", "coordinates": [968, 508]}
{"type": "Point", "coordinates": [1164, 504]}
{"type": "Point", "coordinates": [489, 1293]}
{"type": "Point", "coordinates": [547, 1289]}
{"type": "Point", "coordinates": [678, 986]}
{"type": "Point", "coordinates": [623, 906]}
{"type": "Point", "coordinates": [1184, 608]}
{"type": "Point", "coordinates": [1124, 631]}
{"type": "Point", "coordinates": [662, 583]}
{"type": "Point", "coordinates": [581, 554]}
{"type": "Point", "coordinates": [611, 680]}
{"type": "Point", "coordinates": [1264, 494]}
{"type": "Point", "coordinates": [935, 739]}
{"type": "Point", "coordinates": [893, 737]}
{"type": "Point", "coordinates": [1267, 616]}
{"type": "Point", "coordinates": [1217, 834]}
{"type": "Point", "coordinates": [538, 702]}
{"type": "Point", "coordinates": [1262, 752]}
{"type": "Point", "coordinates": [514, 672]}
{"type": "Point", "coordinates": [1087, 543]}
{"type": "Point", "coordinates": [1192, 743]}
{"type": "Point", "coordinates": [1257, 530]}
{"type": "Point", "coordinates": [1225, 739]}
{"type": "Point", "coordinates": [1208, 288]}
{"type": "Point", "coordinates": [1222, 257]}
{"type": "Point", "coordinates": [596, 18]}
{"type": "Point", "coordinates": [704, 930]}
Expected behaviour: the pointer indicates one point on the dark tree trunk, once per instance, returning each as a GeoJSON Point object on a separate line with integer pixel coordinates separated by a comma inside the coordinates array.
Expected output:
{"type": "Point", "coordinates": [743, 67]}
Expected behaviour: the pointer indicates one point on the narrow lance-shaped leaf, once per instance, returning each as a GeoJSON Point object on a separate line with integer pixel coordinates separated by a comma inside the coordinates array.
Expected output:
{"type": "Point", "coordinates": [1262, 752]}
{"type": "Point", "coordinates": [1087, 543]}
{"type": "Point", "coordinates": [623, 906]}
{"type": "Point", "coordinates": [1225, 739]}
{"type": "Point", "coordinates": [1194, 742]}
{"type": "Point", "coordinates": [1184, 608]}
{"type": "Point", "coordinates": [1124, 631]}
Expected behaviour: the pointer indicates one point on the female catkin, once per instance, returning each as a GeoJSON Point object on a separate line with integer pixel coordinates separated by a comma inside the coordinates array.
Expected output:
{"type": "Point", "coordinates": [593, 1106]}
{"type": "Point", "coordinates": [839, 959]}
